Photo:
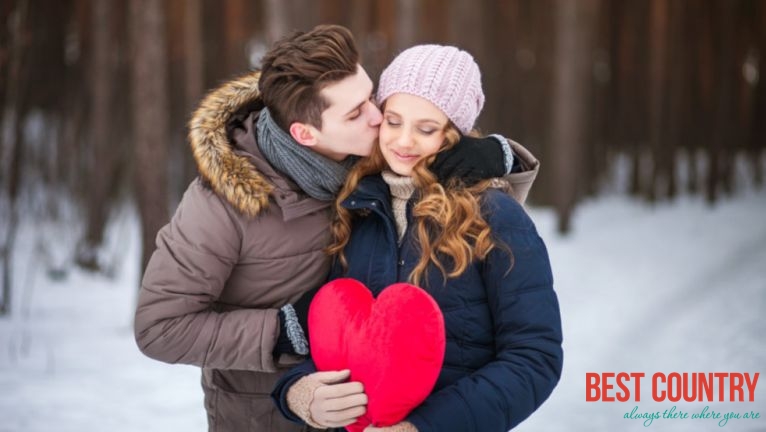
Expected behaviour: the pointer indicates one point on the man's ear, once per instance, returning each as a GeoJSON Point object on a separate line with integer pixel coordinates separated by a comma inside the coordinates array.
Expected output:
{"type": "Point", "coordinates": [304, 134]}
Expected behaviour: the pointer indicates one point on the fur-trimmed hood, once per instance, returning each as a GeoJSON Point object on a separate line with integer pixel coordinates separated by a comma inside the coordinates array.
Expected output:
{"type": "Point", "coordinates": [232, 176]}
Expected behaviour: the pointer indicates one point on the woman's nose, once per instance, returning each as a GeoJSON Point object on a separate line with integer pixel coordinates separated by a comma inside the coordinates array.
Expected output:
{"type": "Point", "coordinates": [404, 139]}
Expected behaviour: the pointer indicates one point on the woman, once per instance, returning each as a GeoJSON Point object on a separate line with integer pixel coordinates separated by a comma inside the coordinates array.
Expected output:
{"type": "Point", "coordinates": [474, 249]}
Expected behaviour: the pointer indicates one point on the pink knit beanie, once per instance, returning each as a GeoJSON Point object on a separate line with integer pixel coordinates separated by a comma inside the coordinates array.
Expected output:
{"type": "Point", "coordinates": [444, 75]}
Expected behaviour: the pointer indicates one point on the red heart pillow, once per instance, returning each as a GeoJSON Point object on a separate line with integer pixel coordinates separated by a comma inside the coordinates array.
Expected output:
{"type": "Point", "coordinates": [394, 344]}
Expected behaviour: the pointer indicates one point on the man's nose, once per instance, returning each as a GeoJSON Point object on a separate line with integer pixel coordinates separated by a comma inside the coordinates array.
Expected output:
{"type": "Point", "coordinates": [376, 117]}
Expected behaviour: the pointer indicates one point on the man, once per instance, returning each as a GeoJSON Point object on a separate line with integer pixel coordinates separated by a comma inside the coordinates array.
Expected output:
{"type": "Point", "coordinates": [224, 289]}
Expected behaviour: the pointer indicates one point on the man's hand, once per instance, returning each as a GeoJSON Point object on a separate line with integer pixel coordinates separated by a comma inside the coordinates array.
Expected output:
{"type": "Point", "coordinates": [337, 403]}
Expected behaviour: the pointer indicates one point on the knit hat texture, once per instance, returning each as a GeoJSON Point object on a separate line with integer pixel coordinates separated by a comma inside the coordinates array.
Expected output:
{"type": "Point", "coordinates": [446, 76]}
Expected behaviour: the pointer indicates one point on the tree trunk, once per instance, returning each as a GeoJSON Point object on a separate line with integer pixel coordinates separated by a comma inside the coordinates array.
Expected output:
{"type": "Point", "coordinates": [574, 24]}
{"type": "Point", "coordinates": [465, 23]}
{"type": "Point", "coordinates": [276, 20]}
{"type": "Point", "coordinates": [304, 13]}
{"type": "Point", "coordinates": [360, 24]}
{"type": "Point", "coordinates": [725, 105]}
{"type": "Point", "coordinates": [505, 103]}
{"type": "Point", "coordinates": [194, 70]}
{"type": "Point", "coordinates": [150, 108]}
{"type": "Point", "coordinates": [658, 43]}
{"type": "Point", "coordinates": [678, 61]}
{"type": "Point", "coordinates": [333, 11]}
{"type": "Point", "coordinates": [378, 42]}
{"type": "Point", "coordinates": [629, 49]}
{"type": "Point", "coordinates": [758, 126]}
{"type": "Point", "coordinates": [432, 24]}
{"type": "Point", "coordinates": [11, 150]}
{"type": "Point", "coordinates": [407, 17]}
{"type": "Point", "coordinates": [235, 32]}
{"type": "Point", "coordinates": [100, 164]}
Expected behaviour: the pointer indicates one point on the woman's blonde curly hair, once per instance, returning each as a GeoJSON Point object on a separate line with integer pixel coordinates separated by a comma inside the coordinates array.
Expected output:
{"type": "Point", "coordinates": [447, 218]}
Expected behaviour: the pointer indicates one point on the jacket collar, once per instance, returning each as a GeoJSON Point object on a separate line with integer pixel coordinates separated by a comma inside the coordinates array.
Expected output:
{"type": "Point", "coordinates": [287, 194]}
{"type": "Point", "coordinates": [222, 138]}
{"type": "Point", "coordinates": [371, 193]}
{"type": "Point", "coordinates": [370, 188]}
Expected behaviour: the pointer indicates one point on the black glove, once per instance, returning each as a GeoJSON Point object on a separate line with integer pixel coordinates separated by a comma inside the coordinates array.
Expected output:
{"type": "Point", "coordinates": [471, 160]}
{"type": "Point", "coordinates": [302, 309]}
{"type": "Point", "coordinates": [293, 326]}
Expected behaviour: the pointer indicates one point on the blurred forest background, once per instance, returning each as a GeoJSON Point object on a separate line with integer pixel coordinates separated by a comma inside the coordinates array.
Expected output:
{"type": "Point", "coordinates": [95, 95]}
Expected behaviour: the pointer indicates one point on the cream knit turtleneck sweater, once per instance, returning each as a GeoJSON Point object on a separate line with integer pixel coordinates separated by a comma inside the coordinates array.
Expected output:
{"type": "Point", "coordinates": [401, 190]}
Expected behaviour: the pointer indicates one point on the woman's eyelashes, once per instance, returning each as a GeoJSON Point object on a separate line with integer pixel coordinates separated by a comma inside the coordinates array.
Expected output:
{"type": "Point", "coordinates": [394, 123]}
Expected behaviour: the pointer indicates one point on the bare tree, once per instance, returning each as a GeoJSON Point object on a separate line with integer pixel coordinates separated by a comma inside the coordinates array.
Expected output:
{"type": "Point", "coordinates": [150, 108]}
{"type": "Point", "coordinates": [407, 17]}
{"type": "Point", "coordinates": [101, 162]}
{"type": "Point", "coordinates": [11, 149]}
{"type": "Point", "coordinates": [359, 23]}
{"type": "Point", "coordinates": [194, 54]}
{"type": "Point", "coordinates": [758, 126]}
{"type": "Point", "coordinates": [574, 23]}
{"type": "Point", "coordinates": [725, 101]}
{"type": "Point", "coordinates": [333, 11]}
{"type": "Point", "coordinates": [194, 57]}
{"type": "Point", "coordinates": [277, 22]}
{"type": "Point", "coordinates": [304, 13]}
{"type": "Point", "coordinates": [235, 34]}
{"type": "Point", "coordinates": [435, 24]}
{"type": "Point", "coordinates": [658, 90]}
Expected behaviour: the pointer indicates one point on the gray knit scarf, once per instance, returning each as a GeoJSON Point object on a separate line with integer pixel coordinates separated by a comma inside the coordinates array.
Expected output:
{"type": "Point", "coordinates": [318, 176]}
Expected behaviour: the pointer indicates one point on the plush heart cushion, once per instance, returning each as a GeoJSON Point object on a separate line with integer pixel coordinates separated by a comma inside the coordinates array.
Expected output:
{"type": "Point", "coordinates": [394, 345]}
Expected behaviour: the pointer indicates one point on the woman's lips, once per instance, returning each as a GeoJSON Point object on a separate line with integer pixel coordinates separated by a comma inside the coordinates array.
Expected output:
{"type": "Point", "coordinates": [404, 156]}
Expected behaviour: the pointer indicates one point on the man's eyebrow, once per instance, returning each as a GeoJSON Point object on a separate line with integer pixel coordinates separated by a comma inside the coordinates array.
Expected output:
{"type": "Point", "coordinates": [361, 104]}
{"type": "Point", "coordinates": [358, 107]}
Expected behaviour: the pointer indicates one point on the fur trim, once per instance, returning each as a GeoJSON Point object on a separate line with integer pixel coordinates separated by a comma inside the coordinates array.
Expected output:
{"type": "Point", "coordinates": [231, 176]}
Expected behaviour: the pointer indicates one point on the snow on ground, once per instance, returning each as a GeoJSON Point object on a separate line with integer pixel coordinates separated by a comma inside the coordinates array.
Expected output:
{"type": "Point", "coordinates": [673, 287]}
{"type": "Point", "coordinates": [678, 287]}
{"type": "Point", "coordinates": [68, 360]}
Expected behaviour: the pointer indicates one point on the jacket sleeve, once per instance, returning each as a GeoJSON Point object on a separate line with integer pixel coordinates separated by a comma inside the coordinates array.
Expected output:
{"type": "Point", "coordinates": [522, 179]}
{"type": "Point", "coordinates": [175, 321]}
{"type": "Point", "coordinates": [527, 328]}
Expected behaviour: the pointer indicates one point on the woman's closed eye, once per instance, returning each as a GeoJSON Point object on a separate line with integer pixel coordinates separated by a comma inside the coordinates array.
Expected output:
{"type": "Point", "coordinates": [393, 122]}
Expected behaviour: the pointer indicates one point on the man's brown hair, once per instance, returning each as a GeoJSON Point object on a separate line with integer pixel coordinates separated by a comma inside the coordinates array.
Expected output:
{"type": "Point", "coordinates": [299, 66]}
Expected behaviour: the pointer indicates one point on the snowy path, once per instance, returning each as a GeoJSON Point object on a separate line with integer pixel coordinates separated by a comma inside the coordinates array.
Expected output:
{"type": "Point", "coordinates": [675, 288]}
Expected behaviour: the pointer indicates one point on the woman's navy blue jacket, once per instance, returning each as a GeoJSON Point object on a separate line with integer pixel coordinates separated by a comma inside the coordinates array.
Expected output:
{"type": "Point", "coordinates": [503, 355]}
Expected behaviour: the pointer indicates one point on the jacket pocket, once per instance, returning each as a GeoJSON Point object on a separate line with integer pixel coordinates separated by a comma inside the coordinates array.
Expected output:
{"type": "Point", "coordinates": [241, 412]}
{"type": "Point", "coordinates": [240, 401]}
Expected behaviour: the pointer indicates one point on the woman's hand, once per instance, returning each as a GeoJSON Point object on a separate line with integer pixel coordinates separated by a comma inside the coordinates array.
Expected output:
{"type": "Point", "coordinates": [337, 403]}
{"type": "Point", "coordinates": [325, 399]}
